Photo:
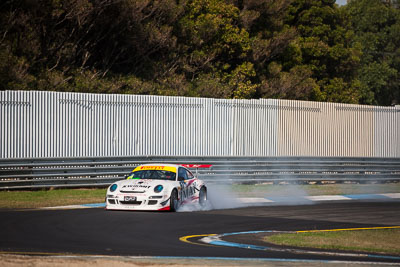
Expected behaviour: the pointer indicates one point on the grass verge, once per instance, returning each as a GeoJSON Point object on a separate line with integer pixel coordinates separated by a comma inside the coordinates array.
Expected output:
{"type": "Point", "coordinates": [50, 198]}
{"type": "Point", "coordinates": [370, 241]}
{"type": "Point", "coordinates": [61, 197]}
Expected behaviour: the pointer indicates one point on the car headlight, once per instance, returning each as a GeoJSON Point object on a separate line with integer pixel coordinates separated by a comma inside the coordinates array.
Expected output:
{"type": "Point", "coordinates": [158, 188]}
{"type": "Point", "coordinates": [113, 187]}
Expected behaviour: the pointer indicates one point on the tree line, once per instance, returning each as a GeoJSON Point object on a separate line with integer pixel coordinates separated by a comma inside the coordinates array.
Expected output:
{"type": "Point", "coordinates": [293, 49]}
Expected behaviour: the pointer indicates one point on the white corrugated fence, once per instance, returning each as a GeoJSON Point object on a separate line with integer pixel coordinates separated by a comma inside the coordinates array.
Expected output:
{"type": "Point", "coordinates": [57, 124]}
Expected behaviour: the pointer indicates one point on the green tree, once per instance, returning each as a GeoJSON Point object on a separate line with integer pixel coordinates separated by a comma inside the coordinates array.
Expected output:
{"type": "Point", "coordinates": [272, 40]}
{"type": "Point", "coordinates": [325, 47]}
{"type": "Point", "coordinates": [377, 28]}
{"type": "Point", "coordinates": [81, 45]}
{"type": "Point", "coordinates": [295, 49]}
{"type": "Point", "coordinates": [215, 48]}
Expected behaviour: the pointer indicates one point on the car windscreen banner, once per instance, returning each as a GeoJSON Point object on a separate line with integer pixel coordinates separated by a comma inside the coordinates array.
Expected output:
{"type": "Point", "coordinates": [155, 168]}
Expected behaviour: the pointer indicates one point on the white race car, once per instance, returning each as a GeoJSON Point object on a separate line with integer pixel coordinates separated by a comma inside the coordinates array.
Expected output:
{"type": "Point", "coordinates": [157, 187]}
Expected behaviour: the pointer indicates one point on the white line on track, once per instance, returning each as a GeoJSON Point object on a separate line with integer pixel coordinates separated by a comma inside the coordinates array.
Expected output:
{"type": "Point", "coordinates": [259, 200]}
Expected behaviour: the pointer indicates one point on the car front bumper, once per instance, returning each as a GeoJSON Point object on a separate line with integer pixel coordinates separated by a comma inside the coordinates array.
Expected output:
{"type": "Point", "coordinates": [137, 202]}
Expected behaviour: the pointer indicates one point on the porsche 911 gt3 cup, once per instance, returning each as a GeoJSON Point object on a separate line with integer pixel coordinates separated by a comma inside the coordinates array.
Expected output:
{"type": "Point", "coordinates": [156, 187]}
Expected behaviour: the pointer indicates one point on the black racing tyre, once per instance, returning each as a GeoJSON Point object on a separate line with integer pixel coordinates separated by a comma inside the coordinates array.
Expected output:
{"type": "Point", "coordinates": [174, 202]}
{"type": "Point", "coordinates": [203, 196]}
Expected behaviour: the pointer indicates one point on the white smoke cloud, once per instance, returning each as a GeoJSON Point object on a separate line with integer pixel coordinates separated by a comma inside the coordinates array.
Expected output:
{"type": "Point", "coordinates": [218, 197]}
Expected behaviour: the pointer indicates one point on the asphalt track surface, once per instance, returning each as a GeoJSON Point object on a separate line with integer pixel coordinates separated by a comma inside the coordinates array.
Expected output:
{"type": "Point", "coordinates": [100, 232]}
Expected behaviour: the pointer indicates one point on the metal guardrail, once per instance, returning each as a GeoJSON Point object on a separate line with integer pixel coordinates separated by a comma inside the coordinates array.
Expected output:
{"type": "Point", "coordinates": [36, 173]}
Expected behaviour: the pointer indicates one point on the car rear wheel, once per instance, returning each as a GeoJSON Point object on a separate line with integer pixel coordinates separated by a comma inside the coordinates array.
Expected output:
{"type": "Point", "coordinates": [174, 203]}
{"type": "Point", "coordinates": [203, 196]}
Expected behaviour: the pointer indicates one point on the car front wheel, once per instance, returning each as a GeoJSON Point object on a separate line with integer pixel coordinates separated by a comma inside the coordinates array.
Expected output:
{"type": "Point", "coordinates": [174, 202]}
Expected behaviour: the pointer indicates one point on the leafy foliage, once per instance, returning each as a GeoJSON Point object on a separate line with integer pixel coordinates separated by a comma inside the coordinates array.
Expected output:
{"type": "Point", "coordinates": [377, 28]}
{"type": "Point", "coordinates": [294, 49]}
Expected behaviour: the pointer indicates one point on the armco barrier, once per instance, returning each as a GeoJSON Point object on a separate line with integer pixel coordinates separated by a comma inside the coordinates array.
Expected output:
{"type": "Point", "coordinates": [36, 173]}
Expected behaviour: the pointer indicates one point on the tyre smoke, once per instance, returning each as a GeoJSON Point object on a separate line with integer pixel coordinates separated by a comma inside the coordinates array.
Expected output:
{"type": "Point", "coordinates": [220, 196]}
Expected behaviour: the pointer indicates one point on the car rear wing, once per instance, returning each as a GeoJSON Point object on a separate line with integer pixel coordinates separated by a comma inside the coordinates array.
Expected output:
{"type": "Point", "coordinates": [197, 166]}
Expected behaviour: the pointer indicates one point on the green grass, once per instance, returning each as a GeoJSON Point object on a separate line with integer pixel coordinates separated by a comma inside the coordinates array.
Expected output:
{"type": "Point", "coordinates": [50, 198]}
{"type": "Point", "coordinates": [371, 241]}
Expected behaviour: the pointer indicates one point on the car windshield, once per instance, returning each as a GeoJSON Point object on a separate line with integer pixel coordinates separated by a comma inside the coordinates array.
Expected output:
{"type": "Point", "coordinates": [153, 175]}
